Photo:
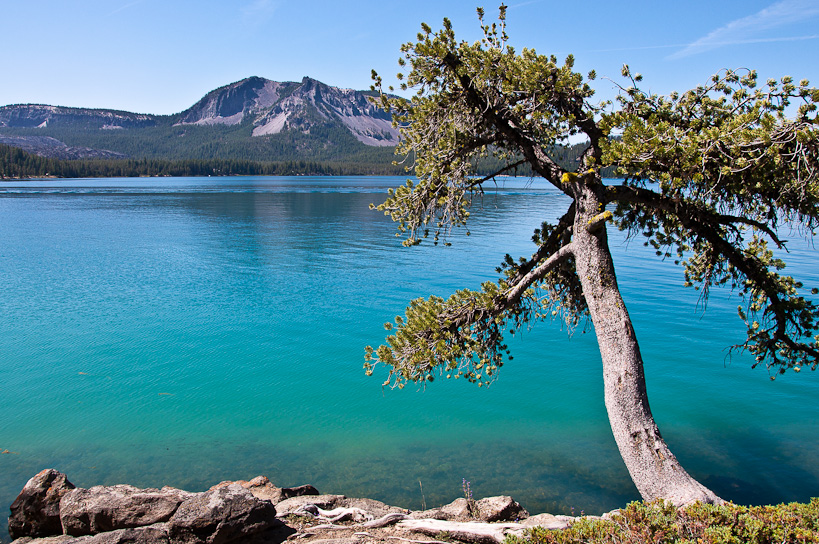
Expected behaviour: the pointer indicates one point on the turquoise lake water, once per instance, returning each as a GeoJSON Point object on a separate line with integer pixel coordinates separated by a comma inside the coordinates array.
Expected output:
{"type": "Point", "coordinates": [186, 331]}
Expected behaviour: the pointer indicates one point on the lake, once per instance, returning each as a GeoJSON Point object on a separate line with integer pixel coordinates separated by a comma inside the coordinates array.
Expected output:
{"type": "Point", "coordinates": [185, 331]}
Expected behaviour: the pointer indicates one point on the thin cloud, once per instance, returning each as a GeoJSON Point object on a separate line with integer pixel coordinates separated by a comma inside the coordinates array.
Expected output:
{"type": "Point", "coordinates": [521, 4]}
{"type": "Point", "coordinates": [715, 44]}
{"type": "Point", "coordinates": [126, 6]}
{"type": "Point", "coordinates": [747, 29]}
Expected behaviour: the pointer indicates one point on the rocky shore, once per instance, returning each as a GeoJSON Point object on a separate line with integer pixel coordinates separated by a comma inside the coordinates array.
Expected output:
{"type": "Point", "coordinates": [51, 510]}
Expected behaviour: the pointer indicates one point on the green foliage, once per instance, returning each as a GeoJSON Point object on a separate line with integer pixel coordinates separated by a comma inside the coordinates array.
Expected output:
{"type": "Point", "coordinates": [709, 176]}
{"type": "Point", "coordinates": [445, 132]}
{"type": "Point", "coordinates": [463, 336]}
{"type": "Point", "coordinates": [662, 523]}
{"type": "Point", "coordinates": [728, 153]}
{"type": "Point", "coordinates": [433, 338]}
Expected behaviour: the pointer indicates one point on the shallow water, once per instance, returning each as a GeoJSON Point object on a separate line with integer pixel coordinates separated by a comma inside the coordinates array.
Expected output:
{"type": "Point", "coordinates": [185, 331]}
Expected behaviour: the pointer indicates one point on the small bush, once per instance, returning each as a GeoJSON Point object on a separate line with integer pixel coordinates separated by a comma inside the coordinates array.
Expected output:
{"type": "Point", "coordinates": [659, 523]}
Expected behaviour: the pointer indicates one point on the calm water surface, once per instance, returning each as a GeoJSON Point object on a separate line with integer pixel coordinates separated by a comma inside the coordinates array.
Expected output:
{"type": "Point", "coordinates": [186, 331]}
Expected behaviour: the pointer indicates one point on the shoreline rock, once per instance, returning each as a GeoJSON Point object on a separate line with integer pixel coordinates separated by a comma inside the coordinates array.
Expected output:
{"type": "Point", "coordinates": [51, 510]}
{"type": "Point", "coordinates": [102, 509]}
{"type": "Point", "coordinates": [36, 511]}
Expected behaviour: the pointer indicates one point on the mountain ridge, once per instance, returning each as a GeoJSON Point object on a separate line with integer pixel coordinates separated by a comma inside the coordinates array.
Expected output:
{"type": "Point", "coordinates": [273, 120]}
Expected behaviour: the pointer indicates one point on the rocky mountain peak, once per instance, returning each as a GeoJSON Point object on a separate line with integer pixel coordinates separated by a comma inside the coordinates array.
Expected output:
{"type": "Point", "coordinates": [229, 104]}
{"type": "Point", "coordinates": [273, 107]}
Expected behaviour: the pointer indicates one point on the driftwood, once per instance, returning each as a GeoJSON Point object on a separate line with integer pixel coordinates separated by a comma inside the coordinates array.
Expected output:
{"type": "Point", "coordinates": [389, 519]}
{"type": "Point", "coordinates": [344, 514]}
{"type": "Point", "coordinates": [476, 532]}
{"type": "Point", "coordinates": [334, 515]}
{"type": "Point", "coordinates": [417, 541]}
{"type": "Point", "coordinates": [473, 532]}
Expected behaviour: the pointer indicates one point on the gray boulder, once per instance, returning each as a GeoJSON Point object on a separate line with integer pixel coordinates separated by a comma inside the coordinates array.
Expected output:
{"type": "Point", "coordinates": [293, 504]}
{"type": "Point", "coordinates": [108, 508]}
{"type": "Point", "coordinates": [261, 487]}
{"type": "Point", "coordinates": [502, 508]}
{"type": "Point", "coordinates": [59, 539]}
{"type": "Point", "coordinates": [457, 510]}
{"type": "Point", "coordinates": [220, 515]}
{"type": "Point", "coordinates": [298, 491]}
{"type": "Point", "coordinates": [488, 509]}
{"type": "Point", "coordinates": [548, 521]}
{"type": "Point", "coordinates": [152, 534]}
{"type": "Point", "coordinates": [36, 511]}
{"type": "Point", "coordinates": [373, 507]}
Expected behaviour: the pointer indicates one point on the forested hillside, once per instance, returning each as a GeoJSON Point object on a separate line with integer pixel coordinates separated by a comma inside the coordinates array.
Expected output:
{"type": "Point", "coordinates": [18, 164]}
{"type": "Point", "coordinates": [164, 141]}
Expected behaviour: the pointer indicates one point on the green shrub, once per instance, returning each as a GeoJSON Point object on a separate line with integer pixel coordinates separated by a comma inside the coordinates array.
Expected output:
{"type": "Point", "coordinates": [659, 523]}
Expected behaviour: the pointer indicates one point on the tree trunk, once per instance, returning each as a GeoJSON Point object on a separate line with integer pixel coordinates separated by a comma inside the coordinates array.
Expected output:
{"type": "Point", "coordinates": [653, 468]}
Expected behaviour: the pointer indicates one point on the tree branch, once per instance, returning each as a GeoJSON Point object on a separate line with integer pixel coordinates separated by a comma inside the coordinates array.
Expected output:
{"type": "Point", "coordinates": [467, 148]}
{"type": "Point", "coordinates": [506, 168]}
{"type": "Point", "coordinates": [499, 118]}
{"type": "Point", "coordinates": [680, 207]}
{"type": "Point", "coordinates": [556, 239]}
{"type": "Point", "coordinates": [725, 219]}
{"type": "Point", "coordinates": [513, 294]}
{"type": "Point", "coordinates": [700, 222]}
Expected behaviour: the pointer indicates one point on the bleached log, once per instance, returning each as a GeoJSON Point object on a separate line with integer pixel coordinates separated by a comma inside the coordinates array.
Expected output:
{"type": "Point", "coordinates": [383, 521]}
{"type": "Point", "coordinates": [344, 514]}
{"type": "Point", "coordinates": [417, 541]}
{"type": "Point", "coordinates": [328, 526]}
{"type": "Point", "coordinates": [334, 515]}
{"type": "Point", "coordinates": [477, 532]}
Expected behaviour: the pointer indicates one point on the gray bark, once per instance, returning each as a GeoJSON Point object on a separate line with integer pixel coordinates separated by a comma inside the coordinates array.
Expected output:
{"type": "Point", "coordinates": [653, 468]}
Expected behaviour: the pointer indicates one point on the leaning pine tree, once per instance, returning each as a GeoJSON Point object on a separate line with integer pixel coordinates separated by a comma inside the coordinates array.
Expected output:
{"type": "Point", "coordinates": [707, 175]}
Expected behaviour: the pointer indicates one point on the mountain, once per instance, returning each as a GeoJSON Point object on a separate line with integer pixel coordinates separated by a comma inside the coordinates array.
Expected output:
{"type": "Point", "coordinates": [45, 146]}
{"type": "Point", "coordinates": [274, 107]}
{"type": "Point", "coordinates": [252, 119]}
{"type": "Point", "coordinates": [41, 116]}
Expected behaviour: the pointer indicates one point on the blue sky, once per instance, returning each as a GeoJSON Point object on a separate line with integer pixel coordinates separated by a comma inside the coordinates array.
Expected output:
{"type": "Point", "coordinates": [161, 56]}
